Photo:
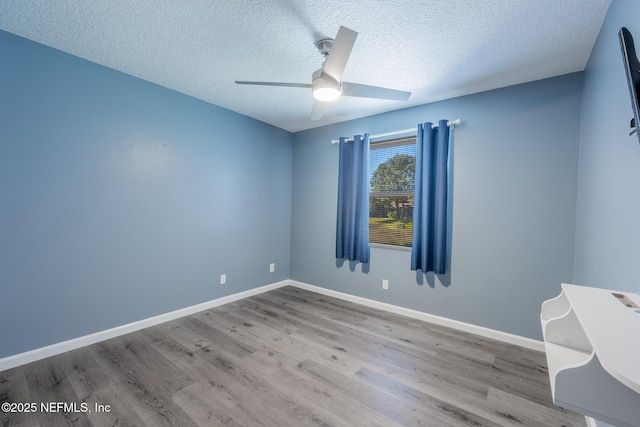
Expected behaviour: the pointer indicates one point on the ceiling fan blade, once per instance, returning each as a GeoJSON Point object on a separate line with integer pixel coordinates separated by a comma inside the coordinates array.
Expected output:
{"type": "Point", "coordinates": [304, 85]}
{"type": "Point", "coordinates": [318, 109]}
{"type": "Point", "coordinates": [339, 54]}
{"type": "Point", "coordinates": [366, 91]}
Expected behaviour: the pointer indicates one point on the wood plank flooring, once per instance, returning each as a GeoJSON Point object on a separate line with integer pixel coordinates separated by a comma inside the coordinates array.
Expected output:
{"type": "Point", "coordinates": [289, 357]}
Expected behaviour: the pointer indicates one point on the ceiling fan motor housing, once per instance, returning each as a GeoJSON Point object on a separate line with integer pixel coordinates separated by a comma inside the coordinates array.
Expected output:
{"type": "Point", "coordinates": [318, 77]}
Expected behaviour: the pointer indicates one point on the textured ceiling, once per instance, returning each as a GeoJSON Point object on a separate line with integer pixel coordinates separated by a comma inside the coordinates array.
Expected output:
{"type": "Point", "coordinates": [436, 49]}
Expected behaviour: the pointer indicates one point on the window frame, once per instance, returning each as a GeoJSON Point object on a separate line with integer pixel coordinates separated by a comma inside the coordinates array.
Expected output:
{"type": "Point", "coordinates": [378, 145]}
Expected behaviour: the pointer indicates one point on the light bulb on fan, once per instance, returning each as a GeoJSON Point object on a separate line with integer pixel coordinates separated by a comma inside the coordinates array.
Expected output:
{"type": "Point", "coordinates": [327, 93]}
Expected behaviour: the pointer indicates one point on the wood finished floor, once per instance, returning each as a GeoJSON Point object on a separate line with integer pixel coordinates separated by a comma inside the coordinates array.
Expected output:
{"type": "Point", "coordinates": [291, 357]}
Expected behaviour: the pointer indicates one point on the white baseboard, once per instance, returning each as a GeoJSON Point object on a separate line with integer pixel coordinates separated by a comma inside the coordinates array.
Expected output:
{"type": "Point", "coordinates": [590, 422]}
{"type": "Point", "coordinates": [426, 317]}
{"type": "Point", "coordinates": [75, 343]}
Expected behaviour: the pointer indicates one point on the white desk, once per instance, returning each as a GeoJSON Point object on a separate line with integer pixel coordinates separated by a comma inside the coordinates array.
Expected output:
{"type": "Point", "coordinates": [592, 343]}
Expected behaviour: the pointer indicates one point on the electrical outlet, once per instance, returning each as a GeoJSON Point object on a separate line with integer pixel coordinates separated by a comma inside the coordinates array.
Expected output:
{"type": "Point", "coordinates": [272, 267]}
{"type": "Point", "coordinates": [223, 279]}
{"type": "Point", "coordinates": [385, 284]}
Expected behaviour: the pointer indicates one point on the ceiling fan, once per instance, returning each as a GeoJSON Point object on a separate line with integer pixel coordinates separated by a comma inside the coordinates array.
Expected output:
{"type": "Point", "coordinates": [326, 83]}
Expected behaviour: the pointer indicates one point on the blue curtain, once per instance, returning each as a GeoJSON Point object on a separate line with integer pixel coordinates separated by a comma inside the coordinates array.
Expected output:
{"type": "Point", "coordinates": [352, 231]}
{"type": "Point", "coordinates": [429, 251]}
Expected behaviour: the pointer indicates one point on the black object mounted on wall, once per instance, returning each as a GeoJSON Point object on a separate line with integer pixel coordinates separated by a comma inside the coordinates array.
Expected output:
{"type": "Point", "coordinates": [632, 68]}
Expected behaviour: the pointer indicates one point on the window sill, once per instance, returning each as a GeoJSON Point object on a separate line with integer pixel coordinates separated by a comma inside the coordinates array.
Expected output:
{"type": "Point", "coordinates": [392, 247]}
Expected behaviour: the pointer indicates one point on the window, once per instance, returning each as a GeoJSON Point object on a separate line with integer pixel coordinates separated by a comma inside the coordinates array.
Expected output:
{"type": "Point", "coordinates": [392, 180]}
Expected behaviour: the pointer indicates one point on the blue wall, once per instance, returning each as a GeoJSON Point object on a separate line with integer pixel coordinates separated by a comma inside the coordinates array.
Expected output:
{"type": "Point", "coordinates": [608, 214]}
{"type": "Point", "coordinates": [607, 252]}
{"type": "Point", "coordinates": [514, 199]}
{"type": "Point", "coordinates": [121, 200]}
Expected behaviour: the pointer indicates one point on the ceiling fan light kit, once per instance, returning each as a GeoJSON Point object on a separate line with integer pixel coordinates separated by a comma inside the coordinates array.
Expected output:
{"type": "Point", "coordinates": [326, 83]}
{"type": "Point", "coordinates": [324, 88]}
{"type": "Point", "coordinates": [326, 93]}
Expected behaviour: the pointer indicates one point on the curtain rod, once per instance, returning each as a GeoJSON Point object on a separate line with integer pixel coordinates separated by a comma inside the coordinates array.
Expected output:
{"type": "Point", "coordinates": [452, 124]}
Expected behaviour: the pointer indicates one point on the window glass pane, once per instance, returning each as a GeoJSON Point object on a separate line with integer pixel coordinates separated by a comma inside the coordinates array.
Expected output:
{"type": "Point", "coordinates": [392, 178]}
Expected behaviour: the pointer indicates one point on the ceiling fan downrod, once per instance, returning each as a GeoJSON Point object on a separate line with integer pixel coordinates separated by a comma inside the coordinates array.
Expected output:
{"type": "Point", "coordinates": [324, 46]}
